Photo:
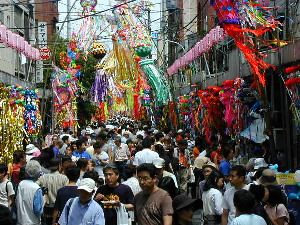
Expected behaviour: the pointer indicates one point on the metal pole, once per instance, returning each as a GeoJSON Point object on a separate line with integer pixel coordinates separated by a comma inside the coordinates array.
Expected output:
{"type": "Point", "coordinates": [68, 20]}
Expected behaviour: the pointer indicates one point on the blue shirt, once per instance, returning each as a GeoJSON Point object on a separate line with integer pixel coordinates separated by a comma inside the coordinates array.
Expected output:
{"type": "Point", "coordinates": [38, 201]}
{"type": "Point", "coordinates": [84, 154]}
{"type": "Point", "coordinates": [225, 167]}
{"type": "Point", "coordinates": [90, 213]}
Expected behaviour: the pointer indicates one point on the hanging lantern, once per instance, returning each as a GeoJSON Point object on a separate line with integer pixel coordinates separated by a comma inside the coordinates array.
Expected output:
{"type": "Point", "coordinates": [98, 50]}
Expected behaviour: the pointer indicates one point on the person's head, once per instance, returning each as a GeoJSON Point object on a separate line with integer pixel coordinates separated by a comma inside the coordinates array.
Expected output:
{"type": "Point", "coordinates": [168, 184]}
{"type": "Point", "coordinates": [54, 139]}
{"type": "Point", "coordinates": [5, 216]}
{"type": "Point", "coordinates": [159, 149]}
{"type": "Point", "coordinates": [111, 174]}
{"type": "Point", "coordinates": [91, 165]}
{"type": "Point", "coordinates": [117, 140]}
{"type": "Point", "coordinates": [59, 143]}
{"type": "Point", "coordinates": [274, 195]}
{"type": "Point", "coordinates": [93, 175]}
{"type": "Point", "coordinates": [86, 190]}
{"type": "Point", "coordinates": [130, 170]}
{"type": "Point", "coordinates": [237, 175]}
{"type": "Point", "coordinates": [227, 152]}
{"type": "Point", "coordinates": [3, 171]}
{"type": "Point", "coordinates": [73, 146]}
{"type": "Point", "coordinates": [66, 165]}
{"type": "Point", "coordinates": [147, 142]}
{"type": "Point", "coordinates": [19, 157]}
{"type": "Point", "coordinates": [130, 143]}
{"type": "Point", "coordinates": [244, 201]}
{"type": "Point", "coordinates": [159, 164]}
{"type": "Point", "coordinates": [258, 173]}
{"type": "Point", "coordinates": [81, 145]}
{"type": "Point", "coordinates": [206, 170]}
{"type": "Point", "coordinates": [268, 177]}
{"type": "Point", "coordinates": [66, 139]}
{"type": "Point", "coordinates": [147, 176]}
{"type": "Point", "coordinates": [258, 152]}
{"type": "Point", "coordinates": [184, 208]}
{"type": "Point", "coordinates": [259, 192]}
{"type": "Point", "coordinates": [73, 173]}
{"type": "Point", "coordinates": [98, 147]}
{"type": "Point", "coordinates": [214, 180]}
{"type": "Point", "coordinates": [139, 137]}
{"type": "Point", "coordinates": [182, 144]}
{"type": "Point", "coordinates": [159, 136]}
{"type": "Point", "coordinates": [82, 164]}
{"type": "Point", "coordinates": [33, 169]}
{"type": "Point", "coordinates": [68, 151]}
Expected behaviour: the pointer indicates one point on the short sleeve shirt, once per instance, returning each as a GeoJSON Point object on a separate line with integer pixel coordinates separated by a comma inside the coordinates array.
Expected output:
{"type": "Point", "coordinates": [248, 219]}
{"type": "Point", "coordinates": [225, 167]}
{"type": "Point", "coordinates": [6, 190]}
{"type": "Point", "coordinates": [277, 212]}
{"type": "Point", "coordinates": [63, 195]}
{"type": "Point", "coordinates": [150, 209]}
{"type": "Point", "coordinates": [121, 192]}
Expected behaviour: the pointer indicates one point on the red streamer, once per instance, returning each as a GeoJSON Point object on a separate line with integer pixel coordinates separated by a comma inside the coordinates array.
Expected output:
{"type": "Point", "coordinates": [136, 107]}
{"type": "Point", "coordinates": [292, 69]}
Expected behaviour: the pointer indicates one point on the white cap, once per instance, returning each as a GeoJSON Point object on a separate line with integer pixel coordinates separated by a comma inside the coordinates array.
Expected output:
{"type": "Point", "coordinates": [179, 131]}
{"type": "Point", "coordinates": [30, 149]}
{"type": "Point", "coordinates": [159, 163]}
{"type": "Point", "coordinates": [87, 184]}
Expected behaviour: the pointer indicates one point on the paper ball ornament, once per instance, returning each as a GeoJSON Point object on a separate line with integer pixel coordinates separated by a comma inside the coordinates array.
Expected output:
{"type": "Point", "coordinates": [98, 50]}
{"type": "Point", "coordinates": [143, 51]}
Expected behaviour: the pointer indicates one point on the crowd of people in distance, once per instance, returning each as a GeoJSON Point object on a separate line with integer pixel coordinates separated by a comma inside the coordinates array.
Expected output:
{"type": "Point", "coordinates": [128, 173]}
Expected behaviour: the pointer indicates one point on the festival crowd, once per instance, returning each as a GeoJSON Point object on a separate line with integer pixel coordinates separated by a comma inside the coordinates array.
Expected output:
{"type": "Point", "coordinates": [128, 173]}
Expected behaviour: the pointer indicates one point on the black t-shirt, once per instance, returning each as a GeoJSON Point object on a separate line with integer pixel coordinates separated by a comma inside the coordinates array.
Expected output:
{"type": "Point", "coordinates": [63, 195]}
{"type": "Point", "coordinates": [122, 192]}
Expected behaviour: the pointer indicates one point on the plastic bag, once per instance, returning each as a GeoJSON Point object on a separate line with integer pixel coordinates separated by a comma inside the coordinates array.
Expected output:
{"type": "Point", "coordinates": [122, 216]}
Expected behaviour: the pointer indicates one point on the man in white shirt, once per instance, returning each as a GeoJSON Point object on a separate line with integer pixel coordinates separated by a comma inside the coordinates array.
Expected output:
{"type": "Point", "coordinates": [237, 181]}
{"type": "Point", "coordinates": [159, 163]}
{"type": "Point", "coordinates": [146, 155]}
{"type": "Point", "coordinates": [122, 154]}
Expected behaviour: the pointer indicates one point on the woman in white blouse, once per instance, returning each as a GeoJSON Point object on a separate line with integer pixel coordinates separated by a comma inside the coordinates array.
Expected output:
{"type": "Point", "coordinates": [212, 198]}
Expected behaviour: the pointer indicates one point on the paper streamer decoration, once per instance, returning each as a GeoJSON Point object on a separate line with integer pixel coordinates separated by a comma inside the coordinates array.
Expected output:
{"type": "Point", "coordinates": [156, 80]}
{"type": "Point", "coordinates": [215, 35]}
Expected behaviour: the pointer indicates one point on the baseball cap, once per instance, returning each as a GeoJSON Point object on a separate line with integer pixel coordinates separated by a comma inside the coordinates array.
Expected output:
{"type": "Point", "coordinates": [87, 184]}
{"type": "Point", "coordinates": [159, 163]}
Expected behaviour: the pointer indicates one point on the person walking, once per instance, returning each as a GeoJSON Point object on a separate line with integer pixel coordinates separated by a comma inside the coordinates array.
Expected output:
{"type": "Point", "coordinates": [83, 209]}
{"type": "Point", "coordinates": [152, 206]}
{"type": "Point", "coordinates": [237, 180]}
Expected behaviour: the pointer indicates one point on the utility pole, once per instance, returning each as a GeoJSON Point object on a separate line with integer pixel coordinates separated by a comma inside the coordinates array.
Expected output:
{"type": "Point", "coordinates": [68, 20]}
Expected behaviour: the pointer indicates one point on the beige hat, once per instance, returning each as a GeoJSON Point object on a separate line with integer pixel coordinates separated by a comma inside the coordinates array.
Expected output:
{"type": "Point", "coordinates": [200, 161]}
{"type": "Point", "coordinates": [268, 177]}
{"type": "Point", "coordinates": [87, 184]}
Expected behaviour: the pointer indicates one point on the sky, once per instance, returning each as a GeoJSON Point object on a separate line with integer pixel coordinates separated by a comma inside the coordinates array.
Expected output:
{"type": "Point", "coordinates": [104, 30]}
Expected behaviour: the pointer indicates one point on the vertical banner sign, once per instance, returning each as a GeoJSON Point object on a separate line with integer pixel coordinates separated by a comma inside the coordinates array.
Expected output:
{"type": "Point", "coordinates": [42, 34]}
{"type": "Point", "coordinates": [39, 72]}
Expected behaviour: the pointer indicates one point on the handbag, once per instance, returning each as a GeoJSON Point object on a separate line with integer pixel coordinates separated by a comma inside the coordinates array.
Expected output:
{"type": "Point", "coordinates": [122, 216]}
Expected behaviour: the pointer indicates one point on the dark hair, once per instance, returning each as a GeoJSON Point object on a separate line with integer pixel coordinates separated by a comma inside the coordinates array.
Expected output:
{"type": "Point", "coordinates": [147, 142]}
{"type": "Point", "coordinates": [92, 174]}
{"type": "Point", "coordinates": [168, 184]}
{"type": "Point", "coordinates": [64, 158]}
{"type": "Point", "coordinates": [226, 149]}
{"type": "Point", "coordinates": [275, 195]}
{"type": "Point", "coordinates": [73, 173]}
{"type": "Point", "coordinates": [258, 173]}
{"type": "Point", "coordinates": [147, 167]}
{"type": "Point", "coordinates": [240, 170]}
{"type": "Point", "coordinates": [80, 142]}
{"type": "Point", "coordinates": [3, 168]}
{"type": "Point", "coordinates": [212, 180]}
{"type": "Point", "coordinates": [112, 167]}
{"type": "Point", "coordinates": [139, 136]}
{"type": "Point", "coordinates": [129, 141]}
{"type": "Point", "coordinates": [102, 136]}
{"type": "Point", "coordinates": [244, 201]}
{"type": "Point", "coordinates": [182, 142]}
{"type": "Point", "coordinates": [5, 216]}
{"type": "Point", "coordinates": [258, 191]}
{"type": "Point", "coordinates": [22, 174]}
{"type": "Point", "coordinates": [130, 170]}
{"type": "Point", "coordinates": [18, 155]}
{"type": "Point", "coordinates": [158, 136]}
{"type": "Point", "coordinates": [66, 129]}
{"type": "Point", "coordinates": [82, 163]}
{"type": "Point", "coordinates": [98, 145]}
{"type": "Point", "coordinates": [159, 149]}
{"type": "Point", "coordinates": [65, 138]}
